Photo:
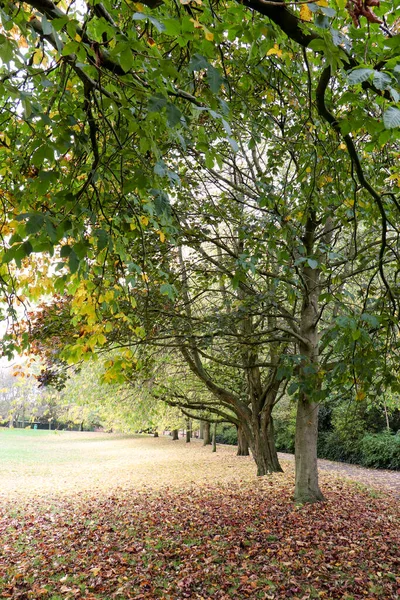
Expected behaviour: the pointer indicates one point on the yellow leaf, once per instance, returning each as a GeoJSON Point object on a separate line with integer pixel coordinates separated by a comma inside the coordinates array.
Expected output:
{"type": "Point", "coordinates": [37, 57]}
{"type": "Point", "coordinates": [308, 170]}
{"type": "Point", "coordinates": [196, 23]}
{"type": "Point", "coordinates": [322, 3]}
{"type": "Point", "coordinates": [78, 37]}
{"type": "Point", "coordinates": [342, 146]}
{"type": "Point", "coordinates": [208, 35]}
{"type": "Point", "coordinates": [144, 220]}
{"type": "Point", "coordinates": [151, 42]}
{"type": "Point", "coordinates": [305, 13]}
{"type": "Point", "coordinates": [145, 277]}
{"type": "Point", "coordinates": [275, 50]}
{"type": "Point", "coordinates": [162, 236]}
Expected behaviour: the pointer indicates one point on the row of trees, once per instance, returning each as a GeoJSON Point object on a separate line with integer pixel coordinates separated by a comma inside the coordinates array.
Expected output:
{"type": "Point", "coordinates": [211, 188]}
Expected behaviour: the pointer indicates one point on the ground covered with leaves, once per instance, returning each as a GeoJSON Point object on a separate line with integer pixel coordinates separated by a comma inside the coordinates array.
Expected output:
{"type": "Point", "coordinates": [238, 537]}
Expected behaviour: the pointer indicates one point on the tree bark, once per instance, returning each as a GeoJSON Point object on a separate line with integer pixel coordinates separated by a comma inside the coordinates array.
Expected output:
{"type": "Point", "coordinates": [188, 431]}
{"type": "Point", "coordinates": [206, 434]}
{"type": "Point", "coordinates": [264, 450]}
{"type": "Point", "coordinates": [243, 444]}
{"type": "Point", "coordinates": [155, 434]}
{"type": "Point", "coordinates": [214, 438]}
{"type": "Point", "coordinates": [307, 487]}
{"type": "Point", "coordinates": [201, 433]}
{"type": "Point", "coordinates": [175, 435]}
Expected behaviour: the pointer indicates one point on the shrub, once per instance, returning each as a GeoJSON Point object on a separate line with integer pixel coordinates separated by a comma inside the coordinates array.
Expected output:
{"type": "Point", "coordinates": [332, 447]}
{"type": "Point", "coordinates": [380, 450]}
{"type": "Point", "coordinates": [226, 434]}
{"type": "Point", "coordinates": [284, 435]}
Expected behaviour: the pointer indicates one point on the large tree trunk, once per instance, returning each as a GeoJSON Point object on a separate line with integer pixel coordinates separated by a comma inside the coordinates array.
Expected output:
{"type": "Point", "coordinates": [175, 435]}
{"type": "Point", "coordinates": [264, 450]}
{"type": "Point", "coordinates": [206, 434]}
{"type": "Point", "coordinates": [243, 444]}
{"type": "Point", "coordinates": [307, 488]}
{"type": "Point", "coordinates": [201, 432]}
{"type": "Point", "coordinates": [188, 431]}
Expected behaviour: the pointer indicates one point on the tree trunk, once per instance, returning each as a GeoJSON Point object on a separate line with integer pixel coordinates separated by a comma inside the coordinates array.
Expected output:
{"type": "Point", "coordinates": [201, 433]}
{"type": "Point", "coordinates": [307, 488]}
{"type": "Point", "coordinates": [188, 428]}
{"type": "Point", "coordinates": [206, 434]}
{"type": "Point", "coordinates": [264, 450]}
{"type": "Point", "coordinates": [243, 444]}
{"type": "Point", "coordinates": [214, 438]}
{"type": "Point", "coordinates": [175, 435]}
{"type": "Point", "coordinates": [155, 434]}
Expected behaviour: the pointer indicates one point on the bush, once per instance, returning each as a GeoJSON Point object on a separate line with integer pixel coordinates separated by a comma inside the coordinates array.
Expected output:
{"type": "Point", "coordinates": [284, 435]}
{"type": "Point", "coordinates": [226, 434]}
{"type": "Point", "coordinates": [332, 447]}
{"type": "Point", "coordinates": [380, 450]}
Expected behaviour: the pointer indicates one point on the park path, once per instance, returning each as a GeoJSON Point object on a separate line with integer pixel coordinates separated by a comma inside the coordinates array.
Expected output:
{"type": "Point", "coordinates": [383, 480]}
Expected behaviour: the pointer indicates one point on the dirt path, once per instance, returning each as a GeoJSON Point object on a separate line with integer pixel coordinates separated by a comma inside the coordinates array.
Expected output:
{"type": "Point", "coordinates": [387, 481]}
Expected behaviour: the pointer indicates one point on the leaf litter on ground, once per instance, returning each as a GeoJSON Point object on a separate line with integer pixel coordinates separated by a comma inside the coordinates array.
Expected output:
{"type": "Point", "coordinates": [226, 534]}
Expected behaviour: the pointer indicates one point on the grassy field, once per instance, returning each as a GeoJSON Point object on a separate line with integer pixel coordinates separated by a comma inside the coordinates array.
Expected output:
{"type": "Point", "coordinates": [99, 516]}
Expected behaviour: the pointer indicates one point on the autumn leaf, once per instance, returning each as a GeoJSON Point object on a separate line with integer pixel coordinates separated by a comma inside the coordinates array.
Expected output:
{"type": "Point", "coordinates": [305, 13]}
{"type": "Point", "coordinates": [274, 50]}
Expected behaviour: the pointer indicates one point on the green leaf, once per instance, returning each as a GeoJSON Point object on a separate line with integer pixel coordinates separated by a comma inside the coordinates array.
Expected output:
{"type": "Point", "coordinates": [197, 63]}
{"type": "Point", "coordinates": [156, 103]}
{"type": "Point", "coordinates": [317, 45]}
{"type": "Point", "coordinates": [126, 59]}
{"type": "Point", "coordinates": [102, 239]}
{"type": "Point", "coordinates": [391, 118]}
{"type": "Point", "coordinates": [381, 80]}
{"type": "Point", "coordinates": [138, 16]}
{"type": "Point", "coordinates": [174, 115]}
{"type": "Point", "coordinates": [65, 251]}
{"type": "Point", "coordinates": [34, 224]}
{"type": "Point", "coordinates": [359, 75]}
{"type": "Point", "coordinates": [214, 78]}
{"type": "Point", "coordinates": [161, 202]}
{"type": "Point", "coordinates": [312, 263]}
{"type": "Point", "coordinates": [73, 262]}
{"type": "Point", "coordinates": [46, 26]}
{"type": "Point", "coordinates": [166, 289]}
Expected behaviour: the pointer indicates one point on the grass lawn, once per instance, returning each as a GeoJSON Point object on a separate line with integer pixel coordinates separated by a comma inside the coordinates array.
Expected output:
{"type": "Point", "coordinates": [100, 516]}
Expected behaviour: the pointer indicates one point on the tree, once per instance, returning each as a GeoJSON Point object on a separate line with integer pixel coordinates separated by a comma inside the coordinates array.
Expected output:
{"type": "Point", "coordinates": [129, 105]}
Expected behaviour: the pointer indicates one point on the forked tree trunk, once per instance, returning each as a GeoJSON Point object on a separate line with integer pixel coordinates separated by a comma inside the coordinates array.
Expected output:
{"type": "Point", "coordinates": [264, 450]}
{"type": "Point", "coordinates": [175, 435]}
{"type": "Point", "coordinates": [206, 434]}
{"type": "Point", "coordinates": [306, 487]}
{"type": "Point", "coordinates": [243, 444]}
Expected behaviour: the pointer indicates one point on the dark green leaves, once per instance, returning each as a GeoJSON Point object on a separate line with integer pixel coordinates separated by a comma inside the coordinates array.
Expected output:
{"type": "Point", "coordinates": [391, 118]}
{"type": "Point", "coordinates": [138, 16]}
